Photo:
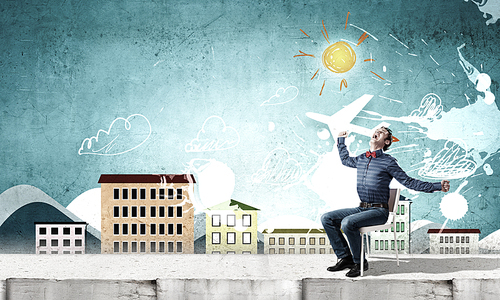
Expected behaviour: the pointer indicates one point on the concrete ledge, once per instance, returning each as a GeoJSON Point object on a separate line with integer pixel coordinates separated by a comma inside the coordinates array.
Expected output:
{"type": "Point", "coordinates": [476, 289]}
{"type": "Point", "coordinates": [370, 289]}
{"type": "Point", "coordinates": [81, 289]}
{"type": "Point", "coordinates": [236, 289]}
{"type": "Point", "coordinates": [3, 289]}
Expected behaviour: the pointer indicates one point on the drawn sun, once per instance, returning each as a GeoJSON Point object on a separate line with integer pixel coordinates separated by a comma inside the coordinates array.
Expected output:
{"type": "Point", "coordinates": [338, 57]}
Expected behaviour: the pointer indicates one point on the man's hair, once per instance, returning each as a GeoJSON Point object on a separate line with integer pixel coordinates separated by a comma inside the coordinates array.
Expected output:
{"type": "Point", "coordinates": [389, 138]}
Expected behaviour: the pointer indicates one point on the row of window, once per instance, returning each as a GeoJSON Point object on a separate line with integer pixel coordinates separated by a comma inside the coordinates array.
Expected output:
{"type": "Point", "coordinates": [458, 250]}
{"type": "Point", "coordinates": [141, 194]}
{"type": "Point", "coordinates": [57, 252]}
{"type": "Point", "coordinates": [56, 231]}
{"type": "Point", "coordinates": [140, 247]}
{"type": "Point", "coordinates": [232, 252]}
{"type": "Point", "coordinates": [401, 210]}
{"type": "Point", "coordinates": [141, 211]}
{"type": "Point", "coordinates": [141, 229]}
{"type": "Point", "coordinates": [231, 220]}
{"type": "Point", "coordinates": [301, 251]}
{"type": "Point", "coordinates": [458, 239]}
{"type": "Point", "coordinates": [384, 245]}
{"type": "Point", "coordinates": [302, 241]}
{"type": "Point", "coordinates": [65, 243]}
{"type": "Point", "coordinates": [246, 238]}
{"type": "Point", "coordinates": [400, 227]}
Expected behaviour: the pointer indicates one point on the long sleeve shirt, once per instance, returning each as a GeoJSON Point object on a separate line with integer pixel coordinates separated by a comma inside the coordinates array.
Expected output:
{"type": "Point", "coordinates": [375, 174]}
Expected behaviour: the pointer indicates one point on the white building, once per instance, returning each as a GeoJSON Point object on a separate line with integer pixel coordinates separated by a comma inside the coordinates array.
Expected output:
{"type": "Point", "coordinates": [296, 241]}
{"type": "Point", "coordinates": [60, 238]}
{"type": "Point", "coordinates": [454, 241]}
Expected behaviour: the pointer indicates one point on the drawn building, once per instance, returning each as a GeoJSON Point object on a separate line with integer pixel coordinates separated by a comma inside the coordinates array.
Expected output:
{"type": "Point", "coordinates": [454, 241]}
{"type": "Point", "coordinates": [147, 213]}
{"type": "Point", "coordinates": [296, 241]}
{"type": "Point", "coordinates": [382, 241]}
{"type": "Point", "coordinates": [231, 228]}
{"type": "Point", "coordinates": [60, 237]}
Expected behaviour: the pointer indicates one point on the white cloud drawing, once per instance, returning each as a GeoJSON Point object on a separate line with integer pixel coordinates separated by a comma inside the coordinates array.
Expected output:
{"type": "Point", "coordinates": [430, 107]}
{"type": "Point", "coordinates": [122, 136]}
{"type": "Point", "coordinates": [214, 136]}
{"type": "Point", "coordinates": [450, 163]}
{"type": "Point", "coordinates": [278, 168]}
{"type": "Point", "coordinates": [282, 96]}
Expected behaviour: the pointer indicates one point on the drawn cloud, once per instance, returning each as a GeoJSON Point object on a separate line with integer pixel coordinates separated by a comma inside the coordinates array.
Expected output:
{"type": "Point", "coordinates": [450, 163]}
{"type": "Point", "coordinates": [430, 107]}
{"type": "Point", "coordinates": [282, 96]}
{"type": "Point", "coordinates": [214, 136]}
{"type": "Point", "coordinates": [278, 168]}
{"type": "Point", "coordinates": [122, 136]}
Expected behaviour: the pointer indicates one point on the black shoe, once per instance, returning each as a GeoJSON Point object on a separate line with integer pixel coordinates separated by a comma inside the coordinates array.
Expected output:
{"type": "Point", "coordinates": [356, 270]}
{"type": "Point", "coordinates": [342, 264]}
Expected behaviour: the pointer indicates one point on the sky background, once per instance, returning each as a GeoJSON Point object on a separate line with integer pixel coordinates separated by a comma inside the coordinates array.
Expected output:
{"type": "Point", "coordinates": [216, 89]}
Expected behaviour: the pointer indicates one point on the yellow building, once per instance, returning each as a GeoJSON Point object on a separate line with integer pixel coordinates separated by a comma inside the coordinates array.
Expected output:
{"type": "Point", "coordinates": [296, 241]}
{"type": "Point", "coordinates": [231, 228]}
{"type": "Point", "coordinates": [147, 213]}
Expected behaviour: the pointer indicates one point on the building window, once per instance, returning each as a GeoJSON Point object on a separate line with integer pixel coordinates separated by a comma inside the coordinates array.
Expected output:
{"type": "Point", "coordinates": [66, 243]}
{"type": "Point", "coordinates": [179, 194]}
{"type": "Point", "coordinates": [291, 241]}
{"type": "Point", "coordinates": [322, 251]}
{"type": "Point", "coordinates": [247, 238]}
{"type": "Point", "coordinates": [302, 250]}
{"type": "Point", "coordinates": [463, 239]}
{"type": "Point", "coordinates": [116, 229]}
{"type": "Point", "coordinates": [402, 226]}
{"type": "Point", "coordinates": [312, 251]}
{"type": "Point", "coordinates": [441, 251]}
{"type": "Point", "coordinates": [142, 211]}
{"type": "Point", "coordinates": [134, 247]}
{"type": "Point", "coordinates": [282, 251]}
{"type": "Point", "coordinates": [170, 247]}
{"type": "Point", "coordinates": [170, 229]}
{"type": "Point", "coordinates": [78, 231]}
{"type": "Point", "coordinates": [322, 241]}
{"type": "Point", "coordinates": [272, 241]}
{"type": "Point", "coordinates": [125, 229]}
{"type": "Point", "coordinates": [376, 244]}
{"type": "Point", "coordinates": [125, 247]}
{"type": "Point", "coordinates": [170, 211]}
{"type": "Point", "coordinates": [143, 229]}
{"type": "Point", "coordinates": [125, 194]}
{"type": "Point", "coordinates": [133, 212]}
{"type": "Point", "coordinates": [66, 231]}
{"type": "Point", "coordinates": [133, 195]}
{"type": "Point", "coordinates": [231, 252]}
{"type": "Point", "coordinates": [291, 251]}
{"type": "Point", "coordinates": [179, 229]}
{"type": "Point", "coordinates": [133, 228]}
{"type": "Point", "coordinates": [386, 245]}
{"type": "Point", "coordinates": [54, 243]}
{"type": "Point", "coordinates": [42, 231]}
{"type": "Point", "coordinates": [231, 237]}
{"type": "Point", "coordinates": [397, 226]}
{"type": "Point", "coordinates": [467, 240]}
{"type": "Point", "coordinates": [161, 229]}
{"type": "Point", "coordinates": [231, 220]}
{"type": "Point", "coordinates": [161, 211]}
{"type": "Point", "coordinates": [43, 243]}
{"type": "Point", "coordinates": [446, 239]}
{"type": "Point", "coordinates": [441, 239]}
{"type": "Point", "coordinates": [54, 231]}
{"type": "Point", "coordinates": [152, 194]}
{"type": "Point", "coordinates": [162, 194]}
{"type": "Point", "coordinates": [302, 240]}
{"type": "Point", "coordinates": [281, 240]}
{"type": "Point", "coordinates": [161, 247]}
{"type": "Point", "coordinates": [215, 220]}
{"type": "Point", "coordinates": [247, 220]}
{"type": "Point", "coordinates": [312, 241]}
{"type": "Point", "coordinates": [124, 211]}
{"type": "Point", "coordinates": [457, 240]}
{"type": "Point", "coordinates": [142, 194]}
{"type": "Point", "coordinates": [116, 247]}
{"type": "Point", "coordinates": [152, 229]}
{"type": "Point", "coordinates": [116, 211]}
{"type": "Point", "coordinates": [402, 209]}
{"type": "Point", "coordinates": [152, 211]}
{"type": "Point", "coordinates": [170, 194]}
{"type": "Point", "coordinates": [179, 211]}
{"type": "Point", "coordinates": [402, 245]}
{"type": "Point", "coordinates": [143, 247]}
{"type": "Point", "coordinates": [116, 194]}
{"type": "Point", "coordinates": [392, 245]}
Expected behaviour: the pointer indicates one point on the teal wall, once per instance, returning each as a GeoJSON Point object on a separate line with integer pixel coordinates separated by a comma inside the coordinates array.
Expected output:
{"type": "Point", "coordinates": [69, 69]}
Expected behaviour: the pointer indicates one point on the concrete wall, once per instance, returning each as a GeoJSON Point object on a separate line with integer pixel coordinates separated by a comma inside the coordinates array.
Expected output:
{"type": "Point", "coordinates": [308, 288]}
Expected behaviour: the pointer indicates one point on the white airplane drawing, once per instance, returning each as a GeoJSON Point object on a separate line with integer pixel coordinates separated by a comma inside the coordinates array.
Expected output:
{"type": "Point", "coordinates": [341, 120]}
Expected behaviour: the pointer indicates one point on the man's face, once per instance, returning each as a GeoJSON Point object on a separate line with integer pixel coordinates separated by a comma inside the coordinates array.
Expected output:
{"type": "Point", "coordinates": [378, 138]}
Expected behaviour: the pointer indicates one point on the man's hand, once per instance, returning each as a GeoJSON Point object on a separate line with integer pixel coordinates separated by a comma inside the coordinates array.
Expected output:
{"type": "Point", "coordinates": [343, 134]}
{"type": "Point", "coordinates": [445, 186]}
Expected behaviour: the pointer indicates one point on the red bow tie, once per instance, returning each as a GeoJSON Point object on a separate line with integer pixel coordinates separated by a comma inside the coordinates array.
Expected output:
{"type": "Point", "coordinates": [372, 154]}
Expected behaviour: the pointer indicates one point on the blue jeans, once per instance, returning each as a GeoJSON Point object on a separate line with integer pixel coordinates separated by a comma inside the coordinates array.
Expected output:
{"type": "Point", "coordinates": [350, 220]}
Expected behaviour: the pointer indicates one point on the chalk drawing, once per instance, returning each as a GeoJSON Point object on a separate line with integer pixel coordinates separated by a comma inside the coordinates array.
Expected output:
{"type": "Point", "coordinates": [214, 135]}
{"type": "Point", "coordinates": [430, 107]}
{"type": "Point", "coordinates": [123, 135]}
{"type": "Point", "coordinates": [450, 163]}
{"type": "Point", "coordinates": [282, 96]}
{"type": "Point", "coordinates": [488, 7]}
{"type": "Point", "coordinates": [278, 168]}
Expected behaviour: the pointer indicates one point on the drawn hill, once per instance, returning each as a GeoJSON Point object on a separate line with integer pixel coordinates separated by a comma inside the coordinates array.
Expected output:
{"type": "Point", "coordinates": [24, 205]}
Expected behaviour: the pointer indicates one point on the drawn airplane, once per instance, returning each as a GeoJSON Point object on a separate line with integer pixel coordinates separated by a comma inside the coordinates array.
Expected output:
{"type": "Point", "coordinates": [341, 120]}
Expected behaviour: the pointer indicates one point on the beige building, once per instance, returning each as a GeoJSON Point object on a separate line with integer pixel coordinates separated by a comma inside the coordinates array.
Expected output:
{"type": "Point", "coordinates": [147, 213]}
{"type": "Point", "coordinates": [296, 241]}
{"type": "Point", "coordinates": [382, 241]}
{"type": "Point", "coordinates": [231, 228]}
{"type": "Point", "coordinates": [454, 241]}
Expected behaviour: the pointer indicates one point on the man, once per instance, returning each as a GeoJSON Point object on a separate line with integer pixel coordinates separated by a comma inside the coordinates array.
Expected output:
{"type": "Point", "coordinates": [375, 170]}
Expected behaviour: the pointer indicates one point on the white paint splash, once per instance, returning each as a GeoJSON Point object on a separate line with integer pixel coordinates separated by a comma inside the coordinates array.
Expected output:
{"type": "Point", "coordinates": [488, 7]}
{"type": "Point", "coordinates": [454, 206]}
